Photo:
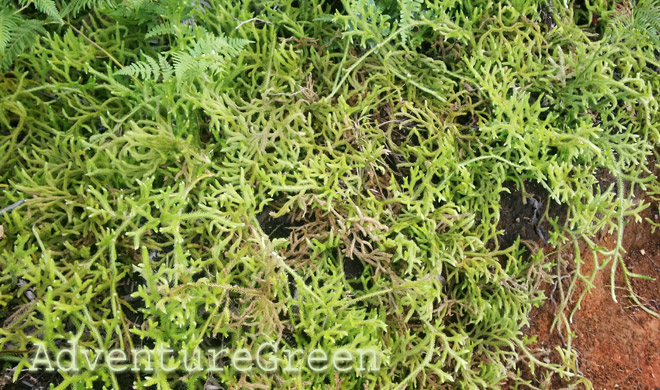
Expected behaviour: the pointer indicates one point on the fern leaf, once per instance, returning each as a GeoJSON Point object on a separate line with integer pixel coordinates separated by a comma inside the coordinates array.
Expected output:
{"type": "Point", "coordinates": [159, 30]}
{"type": "Point", "coordinates": [47, 7]}
{"type": "Point", "coordinates": [166, 68]}
{"type": "Point", "coordinates": [153, 66]}
{"type": "Point", "coordinates": [74, 7]}
{"type": "Point", "coordinates": [147, 70]}
{"type": "Point", "coordinates": [23, 37]}
{"type": "Point", "coordinates": [8, 21]}
{"type": "Point", "coordinates": [184, 63]}
{"type": "Point", "coordinates": [640, 18]}
{"type": "Point", "coordinates": [646, 18]}
{"type": "Point", "coordinates": [236, 45]}
{"type": "Point", "coordinates": [208, 54]}
{"type": "Point", "coordinates": [219, 45]}
{"type": "Point", "coordinates": [408, 12]}
{"type": "Point", "coordinates": [135, 4]}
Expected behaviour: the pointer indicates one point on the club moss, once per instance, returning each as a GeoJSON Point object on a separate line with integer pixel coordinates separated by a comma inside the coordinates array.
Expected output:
{"type": "Point", "coordinates": [314, 174]}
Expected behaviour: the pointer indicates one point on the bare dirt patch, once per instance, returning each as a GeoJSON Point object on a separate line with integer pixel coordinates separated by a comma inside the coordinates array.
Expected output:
{"type": "Point", "coordinates": [618, 344]}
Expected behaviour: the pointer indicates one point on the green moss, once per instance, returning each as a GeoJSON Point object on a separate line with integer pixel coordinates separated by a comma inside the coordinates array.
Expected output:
{"type": "Point", "coordinates": [314, 175]}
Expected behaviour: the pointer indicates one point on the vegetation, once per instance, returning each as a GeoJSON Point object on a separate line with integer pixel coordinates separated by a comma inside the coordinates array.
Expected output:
{"type": "Point", "coordinates": [315, 174]}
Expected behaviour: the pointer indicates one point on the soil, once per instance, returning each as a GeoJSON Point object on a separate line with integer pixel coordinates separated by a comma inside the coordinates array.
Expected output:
{"type": "Point", "coordinates": [522, 215]}
{"type": "Point", "coordinates": [618, 344]}
{"type": "Point", "coordinates": [275, 227]}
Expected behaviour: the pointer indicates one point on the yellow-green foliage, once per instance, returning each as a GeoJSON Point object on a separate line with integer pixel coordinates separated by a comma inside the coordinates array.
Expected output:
{"type": "Point", "coordinates": [157, 142]}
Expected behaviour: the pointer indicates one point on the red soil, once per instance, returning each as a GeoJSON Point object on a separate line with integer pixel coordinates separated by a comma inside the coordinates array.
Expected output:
{"type": "Point", "coordinates": [618, 344]}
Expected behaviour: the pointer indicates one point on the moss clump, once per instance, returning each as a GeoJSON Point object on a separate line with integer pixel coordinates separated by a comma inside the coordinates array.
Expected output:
{"type": "Point", "coordinates": [311, 174]}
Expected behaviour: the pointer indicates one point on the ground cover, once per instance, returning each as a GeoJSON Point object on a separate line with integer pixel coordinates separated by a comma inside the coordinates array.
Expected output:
{"type": "Point", "coordinates": [404, 177]}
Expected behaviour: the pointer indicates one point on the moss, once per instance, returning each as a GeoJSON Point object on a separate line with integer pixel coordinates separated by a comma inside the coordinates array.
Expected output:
{"type": "Point", "coordinates": [313, 175]}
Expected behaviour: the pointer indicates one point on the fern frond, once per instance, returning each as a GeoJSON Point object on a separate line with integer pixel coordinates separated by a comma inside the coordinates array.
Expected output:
{"type": "Point", "coordinates": [646, 18]}
{"type": "Point", "coordinates": [166, 68]}
{"type": "Point", "coordinates": [218, 46]}
{"type": "Point", "coordinates": [207, 54]}
{"type": "Point", "coordinates": [146, 12]}
{"type": "Point", "coordinates": [160, 30]}
{"type": "Point", "coordinates": [8, 21]}
{"type": "Point", "coordinates": [409, 10]}
{"type": "Point", "coordinates": [236, 45]}
{"type": "Point", "coordinates": [201, 57]}
{"type": "Point", "coordinates": [640, 19]}
{"type": "Point", "coordinates": [23, 37]}
{"type": "Point", "coordinates": [135, 4]}
{"type": "Point", "coordinates": [146, 70]}
{"type": "Point", "coordinates": [47, 7]}
{"type": "Point", "coordinates": [185, 63]}
{"type": "Point", "coordinates": [74, 7]}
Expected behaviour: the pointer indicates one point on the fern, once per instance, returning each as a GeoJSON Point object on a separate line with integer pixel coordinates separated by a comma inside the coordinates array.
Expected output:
{"type": "Point", "coordinates": [172, 29]}
{"type": "Point", "coordinates": [165, 68]}
{"type": "Point", "coordinates": [370, 20]}
{"type": "Point", "coordinates": [206, 54]}
{"type": "Point", "coordinates": [640, 18]}
{"type": "Point", "coordinates": [409, 10]}
{"type": "Point", "coordinates": [47, 7]}
{"type": "Point", "coordinates": [21, 39]}
{"type": "Point", "coordinates": [145, 12]}
{"type": "Point", "coordinates": [160, 30]}
{"type": "Point", "coordinates": [135, 5]}
{"type": "Point", "coordinates": [150, 69]}
{"type": "Point", "coordinates": [8, 22]}
{"type": "Point", "coordinates": [74, 7]}
{"type": "Point", "coordinates": [646, 18]}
